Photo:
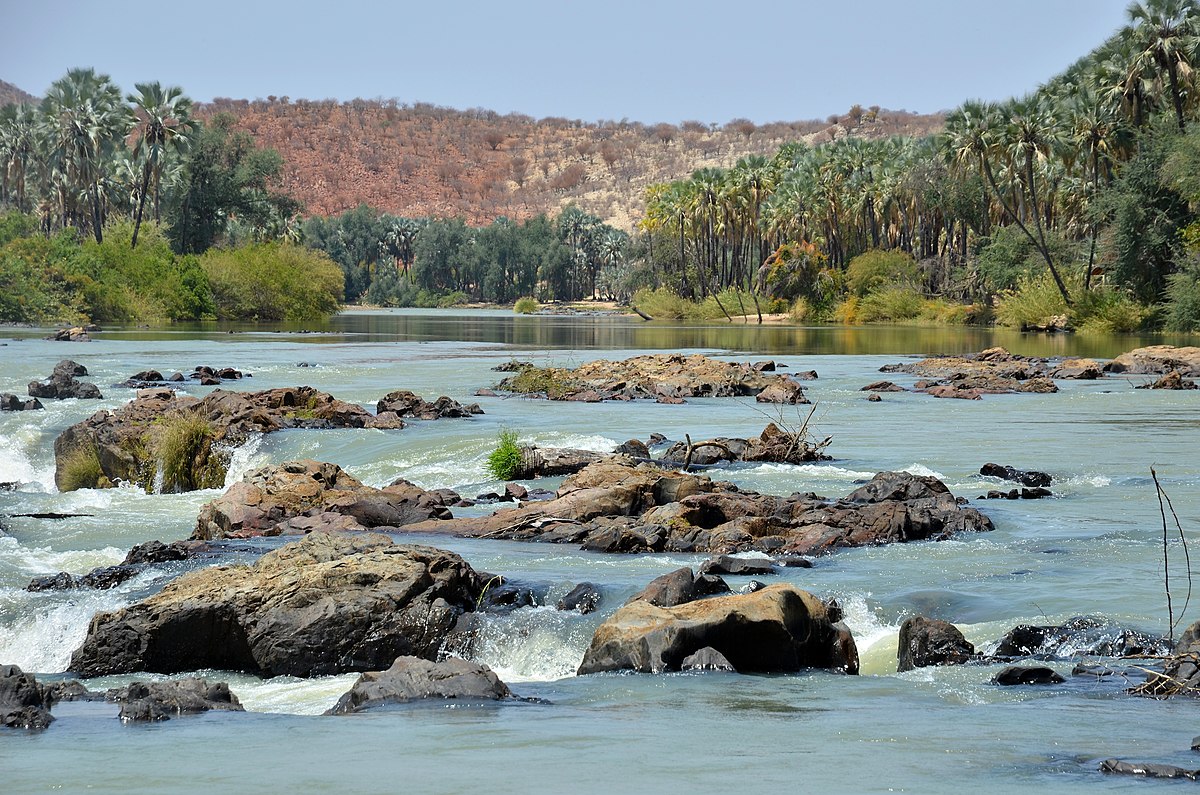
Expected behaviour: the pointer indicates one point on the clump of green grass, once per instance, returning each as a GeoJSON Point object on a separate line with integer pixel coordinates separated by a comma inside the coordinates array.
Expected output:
{"type": "Point", "coordinates": [526, 305]}
{"type": "Point", "coordinates": [505, 461]}
{"type": "Point", "coordinates": [531, 380]}
{"type": "Point", "coordinates": [182, 446]}
{"type": "Point", "coordinates": [80, 469]}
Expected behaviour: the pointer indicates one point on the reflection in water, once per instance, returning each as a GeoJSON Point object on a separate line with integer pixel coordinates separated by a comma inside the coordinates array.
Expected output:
{"type": "Point", "coordinates": [616, 332]}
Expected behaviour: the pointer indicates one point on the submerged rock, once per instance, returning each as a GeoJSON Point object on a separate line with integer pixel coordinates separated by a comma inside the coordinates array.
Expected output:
{"type": "Point", "coordinates": [138, 558]}
{"type": "Point", "coordinates": [416, 679]}
{"type": "Point", "coordinates": [583, 598]}
{"type": "Point", "coordinates": [727, 564]}
{"type": "Point", "coordinates": [1027, 675]}
{"type": "Point", "coordinates": [326, 604]}
{"type": "Point", "coordinates": [1030, 478]}
{"type": "Point", "coordinates": [298, 497]}
{"type": "Point", "coordinates": [930, 641]}
{"type": "Point", "coordinates": [1180, 670]}
{"type": "Point", "coordinates": [24, 704]}
{"type": "Point", "coordinates": [776, 629]}
{"type": "Point", "coordinates": [1147, 770]}
{"type": "Point", "coordinates": [144, 702]}
{"type": "Point", "coordinates": [1093, 636]}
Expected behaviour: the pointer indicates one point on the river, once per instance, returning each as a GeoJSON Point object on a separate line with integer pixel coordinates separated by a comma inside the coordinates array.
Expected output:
{"type": "Point", "coordinates": [1092, 549]}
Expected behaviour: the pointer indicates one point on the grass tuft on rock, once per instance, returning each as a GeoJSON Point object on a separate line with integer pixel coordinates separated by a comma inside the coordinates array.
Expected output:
{"type": "Point", "coordinates": [505, 461]}
{"type": "Point", "coordinates": [80, 469]}
{"type": "Point", "coordinates": [182, 446]}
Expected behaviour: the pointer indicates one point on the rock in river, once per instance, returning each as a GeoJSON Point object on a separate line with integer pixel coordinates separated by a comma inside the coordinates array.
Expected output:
{"type": "Point", "coordinates": [324, 605]}
{"type": "Point", "coordinates": [24, 704]}
{"type": "Point", "coordinates": [775, 629]}
{"type": "Point", "coordinates": [145, 702]}
{"type": "Point", "coordinates": [417, 679]}
{"type": "Point", "coordinates": [926, 641]}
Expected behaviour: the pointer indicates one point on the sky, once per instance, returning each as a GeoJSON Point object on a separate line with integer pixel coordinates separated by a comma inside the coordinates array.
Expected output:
{"type": "Point", "coordinates": [643, 60]}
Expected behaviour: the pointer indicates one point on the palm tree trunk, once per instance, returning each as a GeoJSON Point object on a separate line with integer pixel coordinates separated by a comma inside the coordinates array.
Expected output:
{"type": "Point", "coordinates": [1176, 97]}
{"type": "Point", "coordinates": [137, 223]}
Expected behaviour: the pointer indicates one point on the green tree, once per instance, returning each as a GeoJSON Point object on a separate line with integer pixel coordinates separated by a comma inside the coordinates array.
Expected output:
{"type": "Point", "coordinates": [162, 128]}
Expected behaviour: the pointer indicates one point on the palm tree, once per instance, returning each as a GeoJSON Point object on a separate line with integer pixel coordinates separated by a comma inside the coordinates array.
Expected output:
{"type": "Point", "coordinates": [19, 144]}
{"type": "Point", "coordinates": [1164, 36]}
{"type": "Point", "coordinates": [163, 126]}
{"type": "Point", "coordinates": [88, 123]}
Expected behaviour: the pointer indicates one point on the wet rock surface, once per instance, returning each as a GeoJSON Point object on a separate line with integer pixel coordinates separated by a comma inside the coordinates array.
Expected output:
{"type": "Point", "coordinates": [1030, 478]}
{"type": "Point", "coordinates": [149, 702]}
{"type": "Point", "coordinates": [11, 402]}
{"type": "Point", "coordinates": [928, 641]}
{"type": "Point", "coordinates": [776, 629]}
{"type": "Point", "coordinates": [409, 405]}
{"type": "Point", "coordinates": [326, 604]}
{"type": "Point", "coordinates": [680, 587]}
{"type": "Point", "coordinates": [1015, 675]}
{"type": "Point", "coordinates": [1147, 770]}
{"type": "Point", "coordinates": [1157, 360]}
{"type": "Point", "coordinates": [584, 598]}
{"type": "Point", "coordinates": [297, 497]}
{"type": "Point", "coordinates": [1094, 636]}
{"type": "Point", "coordinates": [416, 679]}
{"type": "Point", "coordinates": [141, 556]}
{"type": "Point", "coordinates": [24, 703]}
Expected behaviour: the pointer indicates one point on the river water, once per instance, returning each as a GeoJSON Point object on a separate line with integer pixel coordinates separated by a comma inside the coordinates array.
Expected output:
{"type": "Point", "coordinates": [1092, 549]}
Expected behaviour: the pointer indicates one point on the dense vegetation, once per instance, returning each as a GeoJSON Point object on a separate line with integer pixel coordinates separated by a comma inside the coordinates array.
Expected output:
{"type": "Point", "coordinates": [1075, 201]}
{"type": "Point", "coordinates": [115, 206]}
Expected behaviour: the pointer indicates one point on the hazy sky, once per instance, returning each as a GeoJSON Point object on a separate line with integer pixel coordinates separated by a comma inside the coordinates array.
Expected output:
{"type": "Point", "coordinates": [647, 60]}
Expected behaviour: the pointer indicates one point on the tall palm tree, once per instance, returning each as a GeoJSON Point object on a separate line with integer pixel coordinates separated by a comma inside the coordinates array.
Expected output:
{"type": "Point", "coordinates": [163, 126]}
{"type": "Point", "coordinates": [88, 123]}
{"type": "Point", "coordinates": [1164, 35]}
{"type": "Point", "coordinates": [19, 145]}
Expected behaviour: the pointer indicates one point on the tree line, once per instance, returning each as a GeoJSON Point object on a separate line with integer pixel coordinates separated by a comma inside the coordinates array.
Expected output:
{"type": "Point", "coordinates": [1088, 182]}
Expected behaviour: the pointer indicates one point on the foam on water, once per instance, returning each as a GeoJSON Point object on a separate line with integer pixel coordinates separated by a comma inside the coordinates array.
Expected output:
{"type": "Point", "coordinates": [923, 471]}
{"type": "Point", "coordinates": [42, 630]}
{"type": "Point", "coordinates": [41, 560]}
{"type": "Point", "coordinates": [244, 458]}
{"type": "Point", "coordinates": [289, 694]}
{"type": "Point", "coordinates": [20, 464]}
{"type": "Point", "coordinates": [531, 644]}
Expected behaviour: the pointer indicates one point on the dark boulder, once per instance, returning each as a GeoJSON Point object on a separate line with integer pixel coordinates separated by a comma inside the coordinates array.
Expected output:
{"type": "Point", "coordinates": [583, 598]}
{"type": "Point", "coordinates": [416, 679]}
{"type": "Point", "coordinates": [1030, 478]}
{"type": "Point", "coordinates": [406, 404]}
{"type": "Point", "coordinates": [776, 629]}
{"type": "Point", "coordinates": [11, 402]}
{"type": "Point", "coordinates": [728, 564]}
{"type": "Point", "coordinates": [24, 704]}
{"type": "Point", "coordinates": [633, 448]}
{"type": "Point", "coordinates": [1147, 770]}
{"type": "Point", "coordinates": [929, 641]}
{"type": "Point", "coordinates": [64, 384]}
{"type": "Point", "coordinates": [882, 386]}
{"type": "Point", "coordinates": [144, 702]}
{"type": "Point", "coordinates": [72, 690]}
{"type": "Point", "coordinates": [330, 603]}
{"type": "Point", "coordinates": [1090, 636]}
{"type": "Point", "coordinates": [680, 587]}
{"type": "Point", "coordinates": [1027, 675]}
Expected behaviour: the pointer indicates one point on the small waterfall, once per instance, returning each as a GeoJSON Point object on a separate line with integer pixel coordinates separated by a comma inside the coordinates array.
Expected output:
{"type": "Point", "coordinates": [537, 644]}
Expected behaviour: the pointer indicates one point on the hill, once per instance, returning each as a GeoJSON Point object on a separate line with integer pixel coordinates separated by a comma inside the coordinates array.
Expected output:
{"type": "Point", "coordinates": [425, 160]}
{"type": "Point", "coordinates": [11, 95]}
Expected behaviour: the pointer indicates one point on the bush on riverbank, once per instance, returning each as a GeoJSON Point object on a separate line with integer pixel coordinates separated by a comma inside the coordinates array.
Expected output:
{"type": "Point", "coordinates": [272, 281]}
{"type": "Point", "coordinates": [1102, 310]}
{"type": "Point", "coordinates": [664, 304]}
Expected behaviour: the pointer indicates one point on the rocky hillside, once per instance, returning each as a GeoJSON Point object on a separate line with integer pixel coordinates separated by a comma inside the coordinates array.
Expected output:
{"type": "Point", "coordinates": [417, 160]}
{"type": "Point", "coordinates": [11, 95]}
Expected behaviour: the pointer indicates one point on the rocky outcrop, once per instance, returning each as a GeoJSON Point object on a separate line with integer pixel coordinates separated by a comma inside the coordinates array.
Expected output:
{"type": "Point", "coordinates": [1157, 360]}
{"type": "Point", "coordinates": [785, 390]}
{"type": "Point", "coordinates": [73, 334]}
{"type": "Point", "coordinates": [1079, 636]}
{"type": "Point", "coordinates": [882, 386]}
{"type": "Point", "coordinates": [297, 497]}
{"type": "Point", "coordinates": [548, 462]}
{"type": "Point", "coordinates": [11, 402]}
{"type": "Point", "coordinates": [776, 629]}
{"type": "Point", "coordinates": [63, 384]}
{"type": "Point", "coordinates": [994, 371]}
{"type": "Point", "coordinates": [616, 506]}
{"type": "Point", "coordinates": [327, 604]}
{"type": "Point", "coordinates": [416, 679]}
{"type": "Point", "coordinates": [24, 704]}
{"type": "Point", "coordinates": [129, 445]}
{"type": "Point", "coordinates": [408, 405]}
{"type": "Point", "coordinates": [664, 377]}
{"type": "Point", "coordinates": [929, 641]}
{"type": "Point", "coordinates": [146, 702]}
{"type": "Point", "coordinates": [1077, 370]}
{"type": "Point", "coordinates": [774, 444]}
{"type": "Point", "coordinates": [1172, 380]}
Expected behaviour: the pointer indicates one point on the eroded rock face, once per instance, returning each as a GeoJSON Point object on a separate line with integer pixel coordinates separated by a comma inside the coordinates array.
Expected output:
{"type": "Point", "coordinates": [665, 377]}
{"type": "Point", "coordinates": [615, 506]}
{"type": "Point", "coordinates": [124, 440]}
{"type": "Point", "coordinates": [1157, 360]}
{"type": "Point", "coordinates": [776, 629]}
{"type": "Point", "coordinates": [24, 704]}
{"type": "Point", "coordinates": [297, 497]}
{"type": "Point", "coordinates": [416, 679]}
{"type": "Point", "coordinates": [928, 641]}
{"type": "Point", "coordinates": [145, 702]}
{"type": "Point", "coordinates": [324, 605]}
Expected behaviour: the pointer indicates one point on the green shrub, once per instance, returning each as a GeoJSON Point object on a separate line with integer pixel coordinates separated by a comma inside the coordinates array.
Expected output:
{"type": "Point", "coordinates": [182, 446]}
{"type": "Point", "coordinates": [1035, 301]}
{"type": "Point", "coordinates": [847, 311]}
{"type": "Point", "coordinates": [946, 312]}
{"type": "Point", "coordinates": [890, 304]}
{"type": "Point", "coordinates": [1107, 311]}
{"type": "Point", "coordinates": [80, 469]}
{"type": "Point", "coordinates": [878, 269]}
{"type": "Point", "coordinates": [273, 281]}
{"type": "Point", "coordinates": [1183, 299]}
{"type": "Point", "coordinates": [505, 461]}
{"type": "Point", "coordinates": [526, 306]}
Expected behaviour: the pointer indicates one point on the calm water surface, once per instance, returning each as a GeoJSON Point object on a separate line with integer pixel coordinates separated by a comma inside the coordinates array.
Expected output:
{"type": "Point", "coordinates": [1092, 549]}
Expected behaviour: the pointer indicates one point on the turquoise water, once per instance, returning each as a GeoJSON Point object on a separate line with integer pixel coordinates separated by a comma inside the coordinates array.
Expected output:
{"type": "Point", "coordinates": [1095, 548]}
